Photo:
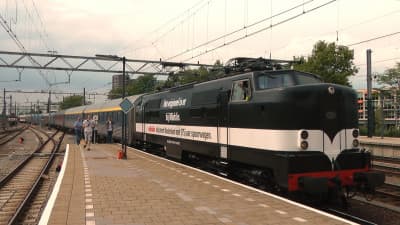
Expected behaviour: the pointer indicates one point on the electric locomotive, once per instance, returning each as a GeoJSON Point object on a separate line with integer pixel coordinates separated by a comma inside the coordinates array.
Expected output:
{"type": "Point", "coordinates": [286, 126]}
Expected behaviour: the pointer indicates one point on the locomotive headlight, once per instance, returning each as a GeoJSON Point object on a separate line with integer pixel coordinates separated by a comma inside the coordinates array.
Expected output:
{"type": "Point", "coordinates": [304, 134]}
{"type": "Point", "coordinates": [355, 133]}
{"type": "Point", "coordinates": [304, 145]}
{"type": "Point", "coordinates": [356, 143]}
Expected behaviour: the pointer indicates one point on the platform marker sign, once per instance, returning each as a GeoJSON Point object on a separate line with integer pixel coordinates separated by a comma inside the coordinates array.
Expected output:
{"type": "Point", "coordinates": [126, 105]}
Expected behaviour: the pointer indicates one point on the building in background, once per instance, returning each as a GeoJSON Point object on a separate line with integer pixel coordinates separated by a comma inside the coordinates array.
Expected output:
{"type": "Point", "coordinates": [117, 81]}
{"type": "Point", "coordinates": [385, 101]}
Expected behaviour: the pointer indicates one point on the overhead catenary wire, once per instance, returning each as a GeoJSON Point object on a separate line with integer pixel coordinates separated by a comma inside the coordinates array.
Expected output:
{"type": "Point", "coordinates": [186, 18]}
{"type": "Point", "coordinates": [42, 24]}
{"type": "Point", "coordinates": [378, 61]}
{"type": "Point", "coordinates": [257, 31]}
{"type": "Point", "coordinates": [374, 39]}
{"type": "Point", "coordinates": [270, 31]}
{"type": "Point", "coordinates": [186, 14]}
{"type": "Point", "coordinates": [222, 37]}
{"type": "Point", "coordinates": [15, 37]}
{"type": "Point", "coordinates": [351, 26]}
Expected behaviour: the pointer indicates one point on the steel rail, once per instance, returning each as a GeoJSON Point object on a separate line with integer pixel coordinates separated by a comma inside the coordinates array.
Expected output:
{"type": "Point", "coordinates": [35, 186]}
{"type": "Point", "coordinates": [350, 217]}
{"type": "Point", "coordinates": [5, 179]}
{"type": "Point", "coordinates": [13, 136]}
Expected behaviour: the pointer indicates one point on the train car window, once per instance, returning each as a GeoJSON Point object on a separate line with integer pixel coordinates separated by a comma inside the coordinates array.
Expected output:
{"type": "Point", "coordinates": [269, 81]}
{"type": "Point", "coordinates": [241, 90]}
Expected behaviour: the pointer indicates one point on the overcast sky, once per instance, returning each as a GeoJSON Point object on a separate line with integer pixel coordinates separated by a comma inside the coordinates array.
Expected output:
{"type": "Point", "coordinates": [150, 29]}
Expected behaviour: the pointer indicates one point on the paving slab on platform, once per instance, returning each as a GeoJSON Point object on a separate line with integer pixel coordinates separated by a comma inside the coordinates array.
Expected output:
{"type": "Point", "coordinates": [381, 141]}
{"type": "Point", "coordinates": [145, 189]}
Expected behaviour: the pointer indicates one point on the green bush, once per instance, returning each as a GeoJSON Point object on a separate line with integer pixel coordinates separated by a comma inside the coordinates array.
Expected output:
{"type": "Point", "coordinates": [392, 132]}
{"type": "Point", "coordinates": [363, 130]}
{"type": "Point", "coordinates": [389, 132]}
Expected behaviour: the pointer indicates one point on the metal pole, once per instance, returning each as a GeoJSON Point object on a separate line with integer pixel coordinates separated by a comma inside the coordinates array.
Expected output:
{"type": "Point", "coordinates": [10, 105]}
{"type": "Point", "coordinates": [123, 114]}
{"type": "Point", "coordinates": [4, 104]}
{"type": "Point", "coordinates": [369, 92]}
{"type": "Point", "coordinates": [84, 96]}
{"type": "Point", "coordinates": [49, 102]}
{"type": "Point", "coordinates": [382, 115]}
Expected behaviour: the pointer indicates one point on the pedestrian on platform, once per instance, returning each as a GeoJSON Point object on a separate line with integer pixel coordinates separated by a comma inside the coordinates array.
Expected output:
{"type": "Point", "coordinates": [78, 130]}
{"type": "Point", "coordinates": [94, 129]}
{"type": "Point", "coordinates": [87, 126]}
{"type": "Point", "coordinates": [110, 129]}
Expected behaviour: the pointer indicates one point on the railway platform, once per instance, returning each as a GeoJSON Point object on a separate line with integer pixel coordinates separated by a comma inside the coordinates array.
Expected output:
{"type": "Point", "coordinates": [388, 141]}
{"type": "Point", "coordinates": [97, 189]}
{"type": "Point", "coordinates": [382, 147]}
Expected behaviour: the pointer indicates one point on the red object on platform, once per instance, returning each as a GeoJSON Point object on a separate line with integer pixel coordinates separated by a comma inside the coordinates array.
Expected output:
{"type": "Point", "coordinates": [119, 154]}
{"type": "Point", "coordinates": [21, 140]}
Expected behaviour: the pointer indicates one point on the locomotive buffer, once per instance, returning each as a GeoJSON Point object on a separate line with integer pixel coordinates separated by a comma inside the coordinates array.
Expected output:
{"type": "Point", "coordinates": [126, 106]}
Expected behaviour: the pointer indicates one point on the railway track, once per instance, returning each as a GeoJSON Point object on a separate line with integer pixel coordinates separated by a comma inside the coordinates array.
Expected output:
{"type": "Point", "coordinates": [9, 135]}
{"type": "Point", "coordinates": [24, 191]}
{"type": "Point", "coordinates": [350, 217]}
{"type": "Point", "coordinates": [15, 152]}
{"type": "Point", "coordinates": [389, 166]}
{"type": "Point", "coordinates": [389, 194]}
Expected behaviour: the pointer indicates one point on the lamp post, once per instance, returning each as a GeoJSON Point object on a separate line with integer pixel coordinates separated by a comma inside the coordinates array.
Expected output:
{"type": "Point", "coordinates": [123, 136]}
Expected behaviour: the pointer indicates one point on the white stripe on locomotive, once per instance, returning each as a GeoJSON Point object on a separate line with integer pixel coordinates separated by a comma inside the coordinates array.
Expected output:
{"type": "Point", "coordinates": [276, 140]}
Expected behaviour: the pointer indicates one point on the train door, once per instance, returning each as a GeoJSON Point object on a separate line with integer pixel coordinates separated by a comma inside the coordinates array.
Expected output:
{"type": "Point", "coordinates": [131, 126]}
{"type": "Point", "coordinates": [223, 123]}
{"type": "Point", "coordinates": [238, 114]}
{"type": "Point", "coordinates": [139, 121]}
{"type": "Point", "coordinates": [143, 122]}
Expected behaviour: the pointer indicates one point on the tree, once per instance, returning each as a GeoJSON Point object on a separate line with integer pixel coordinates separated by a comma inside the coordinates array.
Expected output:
{"type": "Point", "coordinates": [333, 63]}
{"type": "Point", "coordinates": [148, 83]}
{"type": "Point", "coordinates": [115, 93]}
{"type": "Point", "coordinates": [142, 84]}
{"type": "Point", "coordinates": [195, 75]}
{"type": "Point", "coordinates": [72, 101]}
{"type": "Point", "coordinates": [391, 77]}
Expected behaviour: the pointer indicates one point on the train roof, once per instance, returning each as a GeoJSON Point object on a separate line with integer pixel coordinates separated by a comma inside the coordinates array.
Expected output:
{"type": "Point", "coordinates": [108, 106]}
{"type": "Point", "coordinates": [75, 110]}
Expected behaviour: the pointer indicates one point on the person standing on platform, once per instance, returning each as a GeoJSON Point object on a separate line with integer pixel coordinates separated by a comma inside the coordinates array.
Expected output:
{"type": "Point", "coordinates": [78, 130]}
{"type": "Point", "coordinates": [87, 126]}
{"type": "Point", "coordinates": [94, 129]}
{"type": "Point", "coordinates": [110, 129]}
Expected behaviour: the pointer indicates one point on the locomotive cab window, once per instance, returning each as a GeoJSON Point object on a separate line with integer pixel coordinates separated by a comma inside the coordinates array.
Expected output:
{"type": "Point", "coordinates": [241, 90]}
{"type": "Point", "coordinates": [287, 79]}
{"type": "Point", "coordinates": [269, 81]}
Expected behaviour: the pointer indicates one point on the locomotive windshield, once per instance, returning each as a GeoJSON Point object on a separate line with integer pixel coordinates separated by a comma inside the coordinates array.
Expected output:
{"type": "Point", "coordinates": [268, 80]}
